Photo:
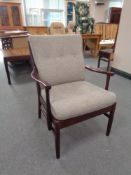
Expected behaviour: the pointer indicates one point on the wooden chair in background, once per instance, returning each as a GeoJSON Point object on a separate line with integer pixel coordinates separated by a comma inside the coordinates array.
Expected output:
{"type": "Point", "coordinates": [108, 42]}
{"type": "Point", "coordinates": [57, 28]}
{"type": "Point", "coordinates": [107, 56]}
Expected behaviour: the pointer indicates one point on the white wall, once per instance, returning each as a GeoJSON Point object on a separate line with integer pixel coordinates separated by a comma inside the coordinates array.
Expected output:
{"type": "Point", "coordinates": [122, 56]}
{"type": "Point", "coordinates": [99, 11]}
{"type": "Point", "coordinates": [116, 3]}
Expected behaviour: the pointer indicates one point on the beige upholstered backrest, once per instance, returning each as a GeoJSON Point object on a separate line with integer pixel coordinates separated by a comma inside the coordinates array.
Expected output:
{"type": "Point", "coordinates": [57, 28]}
{"type": "Point", "coordinates": [59, 59]}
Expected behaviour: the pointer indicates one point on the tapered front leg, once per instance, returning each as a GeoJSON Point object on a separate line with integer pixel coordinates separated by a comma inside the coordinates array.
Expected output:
{"type": "Point", "coordinates": [57, 141]}
{"type": "Point", "coordinates": [7, 71]}
{"type": "Point", "coordinates": [39, 108]}
{"type": "Point", "coordinates": [110, 121]}
{"type": "Point", "coordinates": [99, 59]}
{"type": "Point", "coordinates": [39, 103]}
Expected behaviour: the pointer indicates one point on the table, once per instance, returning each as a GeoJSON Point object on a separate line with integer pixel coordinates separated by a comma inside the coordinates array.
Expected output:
{"type": "Point", "coordinates": [7, 36]}
{"type": "Point", "coordinates": [15, 48]}
{"type": "Point", "coordinates": [6, 33]}
{"type": "Point", "coordinates": [92, 42]}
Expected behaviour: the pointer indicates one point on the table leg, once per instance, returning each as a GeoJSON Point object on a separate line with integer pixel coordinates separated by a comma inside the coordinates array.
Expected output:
{"type": "Point", "coordinates": [97, 46]}
{"type": "Point", "coordinates": [99, 59]}
{"type": "Point", "coordinates": [7, 71]}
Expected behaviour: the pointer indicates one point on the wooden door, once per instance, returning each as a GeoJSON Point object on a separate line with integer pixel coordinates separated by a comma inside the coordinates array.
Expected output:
{"type": "Point", "coordinates": [115, 14]}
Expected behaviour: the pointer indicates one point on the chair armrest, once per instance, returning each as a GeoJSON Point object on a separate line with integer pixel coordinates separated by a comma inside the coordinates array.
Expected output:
{"type": "Point", "coordinates": [35, 76]}
{"type": "Point", "coordinates": [98, 70]}
{"type": "Point", "coordinates": [107, 73]}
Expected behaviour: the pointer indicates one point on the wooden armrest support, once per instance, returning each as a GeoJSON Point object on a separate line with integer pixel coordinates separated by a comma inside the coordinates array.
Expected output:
{"type": "Point", "coordinates": [107, 73]}
{"type": "Point", "coordinates": [98, 70]}
{"type": "Point", "coordinates": [35, 76]}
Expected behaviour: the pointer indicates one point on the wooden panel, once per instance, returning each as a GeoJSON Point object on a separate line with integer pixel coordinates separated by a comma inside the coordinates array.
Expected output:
{"type": "Point", "coordinates": [20, 42]}
{"type": "Point", "coordinates": [15, 15]}
{"type": "Point", "coordinates": [107, 30]}
{"type": "Point", "coordinates": [16, 52]}
{"type": "Point", "coordinates": [99, 28]}
{"type": "Point", "coordinates": [4, 16]}
{"type": "Point", "coordinates": [36, 30]}
{"type": "Point", "coordinates": [10, 16]}
{"type": "Point", "coordinates": [104, 32]}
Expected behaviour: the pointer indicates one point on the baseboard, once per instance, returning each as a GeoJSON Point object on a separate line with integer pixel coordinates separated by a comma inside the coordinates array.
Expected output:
{"type": "Point", "coordinates": [121, 73]}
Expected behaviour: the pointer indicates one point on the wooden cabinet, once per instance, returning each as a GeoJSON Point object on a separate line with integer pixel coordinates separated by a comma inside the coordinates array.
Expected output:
{"type": "Point", "coordinates": [10, 16]}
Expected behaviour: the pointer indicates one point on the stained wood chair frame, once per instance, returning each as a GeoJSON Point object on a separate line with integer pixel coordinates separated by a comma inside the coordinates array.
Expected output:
{"type": "Point", "coordinates": [105, 56]}
{"type": "Point", "coordinates": [56, 125]}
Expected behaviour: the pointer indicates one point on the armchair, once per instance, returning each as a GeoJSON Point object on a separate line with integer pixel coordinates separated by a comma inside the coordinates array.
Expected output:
{"type": "Point", "coordinates": [57, 28]}
{"type": "Point", "coordinates": [64, 96]}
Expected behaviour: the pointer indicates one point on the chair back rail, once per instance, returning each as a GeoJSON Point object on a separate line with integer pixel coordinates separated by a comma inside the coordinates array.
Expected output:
{"type": "Point", "coordinates": [107, 30]}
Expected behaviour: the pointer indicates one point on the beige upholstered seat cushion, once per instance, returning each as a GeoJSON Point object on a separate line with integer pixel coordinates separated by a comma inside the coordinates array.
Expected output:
{"type": "Point", "coordinates": [78, 98]}
{"type": "Point", "coordinates": [59, 59]}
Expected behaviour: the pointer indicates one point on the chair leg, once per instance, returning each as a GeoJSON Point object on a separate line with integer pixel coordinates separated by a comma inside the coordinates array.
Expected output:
{"type": "Point", "coordinates": [39, 103]}
{"type": "Point", "coordinates": [57, 142]}
{"type": "Point", "coordinates": [49, 124]}
{"type": "Point", "coordinates": [99, 59]}
{"type": "Point", "coordinates": [110, 121]}
{"type": "Point", "coordinates": [108, 66]}
{"type": "Point", "coordinates": [7, 71]}
{"type": "Point", "coordinates": [39, 108]}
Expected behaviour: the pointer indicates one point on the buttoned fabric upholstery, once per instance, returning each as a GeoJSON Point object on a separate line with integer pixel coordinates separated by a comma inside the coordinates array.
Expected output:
{"type": "Point", "coordinates": [59, 59]}
{"type": "Point", "coordinates": [78, 98]}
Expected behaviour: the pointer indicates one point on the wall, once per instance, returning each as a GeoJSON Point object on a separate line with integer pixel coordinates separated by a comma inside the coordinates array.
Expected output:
{"type": "Point", "coordinates": [99, 11]}
{"type": "Point", "coordinates": [122, 56]}
{"type": "Point", "coordinates": [116, 3]}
